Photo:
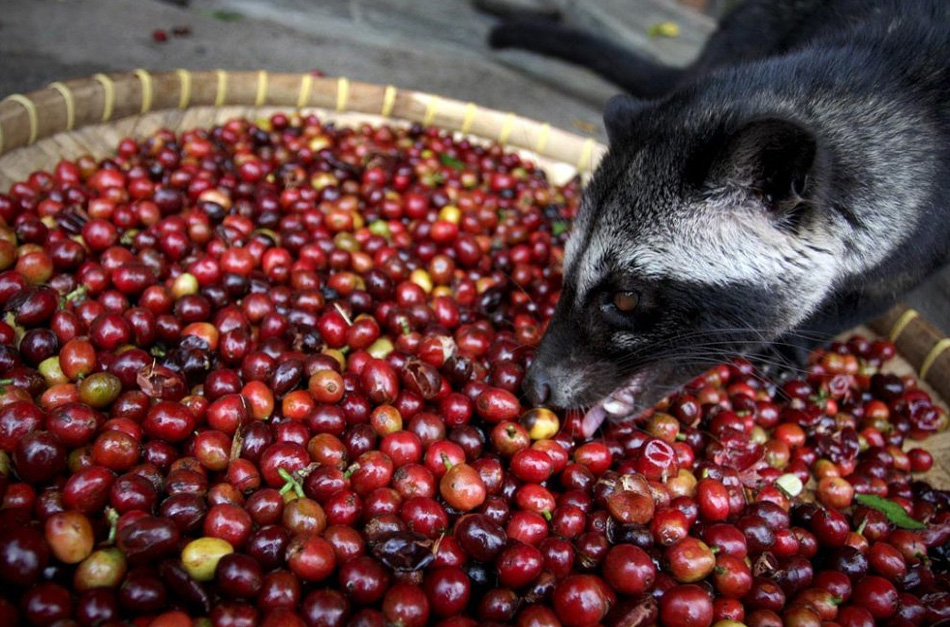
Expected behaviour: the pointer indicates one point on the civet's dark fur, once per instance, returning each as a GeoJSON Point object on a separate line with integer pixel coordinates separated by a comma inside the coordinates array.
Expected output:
{"type": "Point", "coordinates": [793, 181]}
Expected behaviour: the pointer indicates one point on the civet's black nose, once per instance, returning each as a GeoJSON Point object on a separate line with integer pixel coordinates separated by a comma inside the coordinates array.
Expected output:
{"type": "Point", "coordinates": [537, 386]}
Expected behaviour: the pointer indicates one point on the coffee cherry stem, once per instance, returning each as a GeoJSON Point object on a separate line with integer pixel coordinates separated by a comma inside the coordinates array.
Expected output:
{"type": "Point", "coordinates": [291, 483]}
{"type": "Point", "coordinates": [74, 295]}
{"type": "Point", "coordinates": [112, 517]}
{"type": "Point", "coordinates": [343, 314]}
{"type": "Point", "coordinates": [437, 544]}
{"type": "Point", "coordinates": [861, 527]}
{"type": "Point", "coordinates": [237, 444]}
{"type": "Point", "coordinates": [352, 469]}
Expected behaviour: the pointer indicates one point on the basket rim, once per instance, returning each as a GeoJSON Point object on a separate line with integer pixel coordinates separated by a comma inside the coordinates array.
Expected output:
{"type": "Point", "coordinates": [109, 98]}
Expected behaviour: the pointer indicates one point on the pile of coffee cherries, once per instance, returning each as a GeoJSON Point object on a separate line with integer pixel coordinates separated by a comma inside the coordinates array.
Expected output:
{"type": "Point", "coordinates": [270, 374]}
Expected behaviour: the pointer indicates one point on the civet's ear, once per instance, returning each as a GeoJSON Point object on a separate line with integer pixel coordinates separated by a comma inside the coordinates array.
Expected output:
{"type": "Point", "coordinates": [769, 158]}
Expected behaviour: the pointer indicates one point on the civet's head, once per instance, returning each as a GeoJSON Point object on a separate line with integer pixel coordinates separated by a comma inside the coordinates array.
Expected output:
{"type": "Point", "coordinates": [699, 235]}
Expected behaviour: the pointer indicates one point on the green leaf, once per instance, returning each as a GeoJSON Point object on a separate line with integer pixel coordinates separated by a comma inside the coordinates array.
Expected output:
{"type": "Point", "coordinates": [559, 227]}
{"type": "Point", "coordinates": [451, 162]}
{"type": "Point", "coordinates": [227, 16]}
{"type": "Point", "coordinates": [894, 512]}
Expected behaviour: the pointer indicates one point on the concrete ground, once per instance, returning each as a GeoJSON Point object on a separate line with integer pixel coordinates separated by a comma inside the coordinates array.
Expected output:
{"type": "Point", "coordinates": [429, 45]}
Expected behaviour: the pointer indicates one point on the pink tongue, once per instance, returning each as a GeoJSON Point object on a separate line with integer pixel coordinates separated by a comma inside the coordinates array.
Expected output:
{"type": "Point", "coordinates": [592, 421]}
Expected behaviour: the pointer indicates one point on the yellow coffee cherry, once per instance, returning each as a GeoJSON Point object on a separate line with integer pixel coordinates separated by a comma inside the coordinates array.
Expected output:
{"type": "Point", "coordinates": [200, 557]}
{"type": "Point", "coordinates": [540, 423]}
{"type": "Point", "coordinates": [450, 213]}
{"type": "Point", "coordinates": [421, 278]}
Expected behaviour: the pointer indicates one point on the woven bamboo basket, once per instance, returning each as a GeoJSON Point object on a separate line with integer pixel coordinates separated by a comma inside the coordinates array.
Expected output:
{"type": "Point", "coordinates": [90, 116]}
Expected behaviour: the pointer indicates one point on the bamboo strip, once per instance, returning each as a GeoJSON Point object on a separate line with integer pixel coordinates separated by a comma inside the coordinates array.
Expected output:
{"type": "Point", "coordinates": [923, 346]}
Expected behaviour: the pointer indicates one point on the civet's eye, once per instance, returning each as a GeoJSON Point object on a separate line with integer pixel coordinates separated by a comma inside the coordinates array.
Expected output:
{"type": "Point", "coordinates": [626, 302]}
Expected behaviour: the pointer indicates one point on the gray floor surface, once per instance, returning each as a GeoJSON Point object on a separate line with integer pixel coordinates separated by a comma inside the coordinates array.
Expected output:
{"type": "Point", "coordinates": [429, 45]}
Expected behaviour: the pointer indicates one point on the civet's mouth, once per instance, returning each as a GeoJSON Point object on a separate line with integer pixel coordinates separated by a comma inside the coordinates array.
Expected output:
{"type": "Point", "coordinates": [619, 404]}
